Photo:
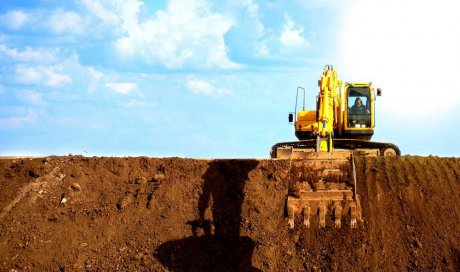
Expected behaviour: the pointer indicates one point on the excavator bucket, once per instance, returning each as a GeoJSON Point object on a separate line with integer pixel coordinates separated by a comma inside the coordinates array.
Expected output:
{"type": "Point", "coordinates": [324, 185]}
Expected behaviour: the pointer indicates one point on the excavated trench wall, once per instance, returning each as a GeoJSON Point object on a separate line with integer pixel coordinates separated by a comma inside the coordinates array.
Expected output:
{"type": "Point", "coordinates": [148, 214]}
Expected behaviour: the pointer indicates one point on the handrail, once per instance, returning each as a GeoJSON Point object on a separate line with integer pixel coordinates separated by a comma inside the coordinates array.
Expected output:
{"type": "Point", "coordinates": [296, 98]}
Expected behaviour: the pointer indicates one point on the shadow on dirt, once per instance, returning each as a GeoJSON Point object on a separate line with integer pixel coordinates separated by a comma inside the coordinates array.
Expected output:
{"type": "Point", "coordinates": [216, 244]}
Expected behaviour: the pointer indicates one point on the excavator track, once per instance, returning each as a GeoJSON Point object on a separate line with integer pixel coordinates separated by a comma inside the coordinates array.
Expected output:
{"type": "Point", "coordinates": [286, 149]}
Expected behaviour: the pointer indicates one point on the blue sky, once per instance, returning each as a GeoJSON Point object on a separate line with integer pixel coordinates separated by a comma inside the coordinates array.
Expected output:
{"type": "Point", "coordinates": [210, 79]}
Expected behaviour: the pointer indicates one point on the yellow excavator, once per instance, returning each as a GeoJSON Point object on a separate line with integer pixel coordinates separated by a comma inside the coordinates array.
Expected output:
{"type": "Point", "coordinates": [322, 175]}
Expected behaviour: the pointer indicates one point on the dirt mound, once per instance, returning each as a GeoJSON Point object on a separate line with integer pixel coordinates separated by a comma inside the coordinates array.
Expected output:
{"type": "Point", "coordinates": [135, 214]}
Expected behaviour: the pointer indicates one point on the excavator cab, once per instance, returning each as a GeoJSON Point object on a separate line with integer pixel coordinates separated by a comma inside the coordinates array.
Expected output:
{"type": "Point", "coordinates": [359, 115]}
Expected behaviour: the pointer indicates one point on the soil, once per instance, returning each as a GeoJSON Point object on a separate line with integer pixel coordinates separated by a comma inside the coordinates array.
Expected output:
{"type": "Point", "coordinates": [148, 214]}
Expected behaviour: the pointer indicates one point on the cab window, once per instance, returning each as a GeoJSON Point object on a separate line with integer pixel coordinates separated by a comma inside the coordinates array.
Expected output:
{"type": "Point", "coordinates": [359, 114]}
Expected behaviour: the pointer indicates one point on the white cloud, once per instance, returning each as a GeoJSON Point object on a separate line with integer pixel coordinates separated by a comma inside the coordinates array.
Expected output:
{"type": "Point", "coordinates": [51, 76]}
{"type": "Point", "coordinates": [135, 103]}
{"type": "Point", "coordinates": [62, 21]}
{"type": "Point", "coordinates": [202, 87]}
{"type": "Point", "coordinates": [15, 19]}
{"type": "Point", "coordinates": [122, 88]}
{"type": "Point", "coordinates": [15, 121]}
{"type": "Point", "coordinates": [185, 33]}
{"type": "Point", "coordinates": [95, 76]}
{"type": "Point", "coordinates": [26, 74]}
{"type": "Point", "coordinates": [97, 9]}
{"type": "Point", "coordinates": [29, 54]}
{"type": "Point", "coordinates": [261, 49]}
{"type": "Point", "coordinates": [45, 22]}
{"type": "Point", "coordinates": [318, 4]}
{"type": "Point", "coordinates": [31, 97]}
{"type": "Point", "coordinates": [253, 11]}
{"type": "Point", "coordinates": [291, 37]}
{"type": "Point", "coordinates": [415, 60]}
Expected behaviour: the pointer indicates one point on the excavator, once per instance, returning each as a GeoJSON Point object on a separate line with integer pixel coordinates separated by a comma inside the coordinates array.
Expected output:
{"type": "Point", "coordinates": [322, 174]}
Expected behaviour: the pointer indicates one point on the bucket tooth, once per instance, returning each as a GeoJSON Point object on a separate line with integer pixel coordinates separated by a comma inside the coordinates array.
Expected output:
{"type": "Point", "coordinates": [322, 215]}
{"type": "Point", "coordinates": [338, 214]}
{"type": "Point", "coordinates": [306, 216]}
{"type": "Point", "coordinates": [353, 222]}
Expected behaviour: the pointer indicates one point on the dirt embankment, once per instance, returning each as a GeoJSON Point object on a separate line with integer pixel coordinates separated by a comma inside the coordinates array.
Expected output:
{"type": "Point", "coordinates": [135, 214]}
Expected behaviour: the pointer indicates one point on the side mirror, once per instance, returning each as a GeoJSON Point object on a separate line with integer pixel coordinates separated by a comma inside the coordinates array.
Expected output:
{"type": "Point", "coordinates": [291, 117]}
{"type": "Point", "coordinates": [379, 92]}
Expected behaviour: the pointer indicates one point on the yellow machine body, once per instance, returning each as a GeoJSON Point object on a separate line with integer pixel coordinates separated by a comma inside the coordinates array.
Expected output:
{"type": "Point", "coordinates": [322, 176]}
